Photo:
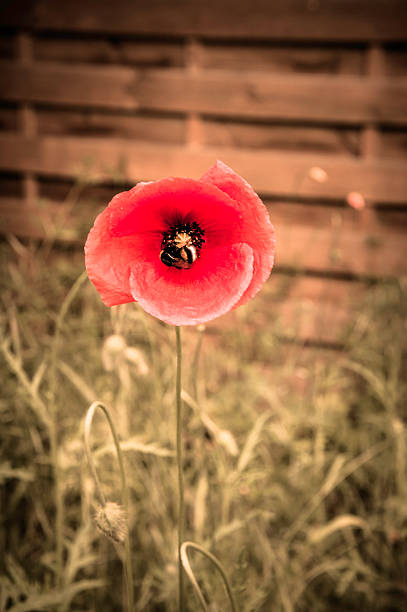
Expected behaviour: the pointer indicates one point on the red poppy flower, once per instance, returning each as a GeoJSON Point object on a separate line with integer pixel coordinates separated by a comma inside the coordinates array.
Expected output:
{"type": "Point", "coordinates": [186, 250]}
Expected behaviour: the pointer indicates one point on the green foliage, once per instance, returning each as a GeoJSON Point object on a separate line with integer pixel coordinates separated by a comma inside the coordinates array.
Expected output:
{"type": "Point", "coordinates": [295, 459]}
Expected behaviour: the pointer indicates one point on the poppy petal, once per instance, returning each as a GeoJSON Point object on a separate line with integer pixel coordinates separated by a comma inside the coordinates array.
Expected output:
{"type": "Point", "coordinates": [108, 262]}
{"type": "Point", "coordinates": [189, 297]}
{"type": "Point", "coordinates": [157, 206]}
{"type": "Point", "coordinates": [256, 228]}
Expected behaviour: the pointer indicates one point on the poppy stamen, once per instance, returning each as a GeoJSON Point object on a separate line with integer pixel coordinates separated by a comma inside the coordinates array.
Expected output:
{"type": "Point", "coordinates": [180, 247]}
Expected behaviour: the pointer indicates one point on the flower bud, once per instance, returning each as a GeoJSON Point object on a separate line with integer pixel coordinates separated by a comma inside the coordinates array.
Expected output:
{"type": "Point", "coordinates": [111, 521]}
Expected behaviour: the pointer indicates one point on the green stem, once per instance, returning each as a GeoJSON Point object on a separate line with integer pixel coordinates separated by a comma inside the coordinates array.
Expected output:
{"type": "Point", "coordinates": [195, 362]}
{"type": "Point", "coordinates": [181, 508]}
{"type": "Point", "coordinates": [53, 428]}
{"type": "Point", "coordinates": [124, 488]}
{"type": "Point", "coordinates": [188, 570]}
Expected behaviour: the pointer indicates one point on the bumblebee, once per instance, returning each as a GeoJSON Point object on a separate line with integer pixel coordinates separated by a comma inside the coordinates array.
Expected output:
{"type": "Point", "coordinates": [179, 252]}
{"type": "Point", "coordinates": [180, 247]}
{"type": "Point", "coordinates": [179, 258]}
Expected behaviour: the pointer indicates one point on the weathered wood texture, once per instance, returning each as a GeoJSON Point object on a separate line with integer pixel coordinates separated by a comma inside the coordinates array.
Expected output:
{"type": "Point", "coordinates": [306, 100]}
{"type": "Point", "coordinates": [344, 99]}
{"type": "Point", "coordinates": [269, 172]}
{"type": "Point", "coordinates": [344, 20]}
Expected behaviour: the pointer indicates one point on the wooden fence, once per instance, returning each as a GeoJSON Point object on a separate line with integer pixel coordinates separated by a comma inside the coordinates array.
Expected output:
{"type": "Point", "coordinates": [306, 99]}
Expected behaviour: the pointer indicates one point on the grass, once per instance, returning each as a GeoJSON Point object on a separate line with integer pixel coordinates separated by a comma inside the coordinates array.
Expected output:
{"type": "Point", "coordinates": [294, 459]}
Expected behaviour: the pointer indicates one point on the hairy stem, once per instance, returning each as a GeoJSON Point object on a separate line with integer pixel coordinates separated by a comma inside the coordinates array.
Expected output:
{"type": "Point", "coordinates": [181, 508]}
{"type": "Point", "coordinates": [124, 489]}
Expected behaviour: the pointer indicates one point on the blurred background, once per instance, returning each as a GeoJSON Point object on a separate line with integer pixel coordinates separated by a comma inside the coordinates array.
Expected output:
{"type": "Point", "coordinates": [307, 100]}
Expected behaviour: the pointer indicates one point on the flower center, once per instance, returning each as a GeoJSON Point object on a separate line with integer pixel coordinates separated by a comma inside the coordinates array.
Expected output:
{"type": "Point", "coordinates": [181, 246]}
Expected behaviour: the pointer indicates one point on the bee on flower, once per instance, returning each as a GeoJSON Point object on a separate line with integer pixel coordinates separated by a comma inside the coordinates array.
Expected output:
{"type": "Point", "coordinates": [186, 250]}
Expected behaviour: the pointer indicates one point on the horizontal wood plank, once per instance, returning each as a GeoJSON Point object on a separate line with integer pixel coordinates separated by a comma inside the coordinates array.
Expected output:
{"type": "Point", "coordinates": [106, 51]}
{"type": "Point", "coordinates": [345, 99]}
{"type": "Point", "coordinates": [340, 240]}
{"type": "Point", "coordinates": [315, 312]}
{"type": "Point", "coordinates": [214, 132]}
{"type": "Point", "coordinates": [378, 20]}
{"type": "Point", "coordinates": [284, 58]}
{"type": "Point", "coordinates": [135, 126]}
{"type": "Point", "coordinates": [287, 58]}
{"type": "Point", "coordinates": [41, 219]}
{"type": "Point", "coordinates": [307, 308]}
{"type": "Point", "coordinates": [316, 238]}
{"type": "Point", "coordinates": [275, 173]}
{"type": "Point", "coordinates": [262, 135]}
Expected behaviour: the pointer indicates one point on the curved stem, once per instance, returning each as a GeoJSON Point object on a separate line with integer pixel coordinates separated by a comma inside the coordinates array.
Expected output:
{"type": "Point", "coordinates": [181, 508]}
{"type": "Point", "coordinates": [53, 428]}
{"type": "Point", "coordinates": [124, 489]}
{"type": "Point", "coordinates": [188, 570]}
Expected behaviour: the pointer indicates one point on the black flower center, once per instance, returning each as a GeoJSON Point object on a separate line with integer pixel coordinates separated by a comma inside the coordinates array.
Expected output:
{"type": "Point", "coordinates": [181, 245]}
